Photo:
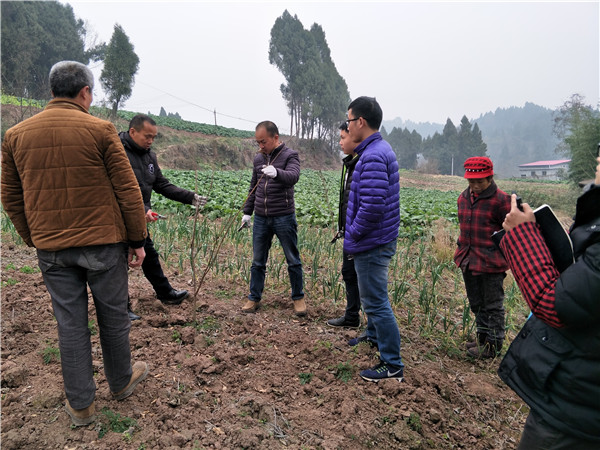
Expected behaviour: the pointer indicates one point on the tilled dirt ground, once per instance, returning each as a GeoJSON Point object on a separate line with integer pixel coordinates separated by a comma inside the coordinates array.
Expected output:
{"type": "Point", "coordinates": [262, 381]}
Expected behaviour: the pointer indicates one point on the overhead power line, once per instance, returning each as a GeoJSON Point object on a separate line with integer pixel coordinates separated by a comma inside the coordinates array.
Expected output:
{"type": "Point", "coordinates": [214, 111]}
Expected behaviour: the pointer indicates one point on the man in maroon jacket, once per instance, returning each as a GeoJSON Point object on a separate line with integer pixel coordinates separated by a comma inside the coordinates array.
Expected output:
{"type": "Point", "coordinates": [271, 198]}
{"type": "Point", "coordinates": [481, 211]}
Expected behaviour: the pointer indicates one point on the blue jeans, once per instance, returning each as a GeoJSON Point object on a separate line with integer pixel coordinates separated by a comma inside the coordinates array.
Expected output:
{"type": "Point", "coordinates": [286, 230]}
{"type": "Point", "coordinates": [372, 270]}
{"type": "Point", "coordinates": [67, 275]}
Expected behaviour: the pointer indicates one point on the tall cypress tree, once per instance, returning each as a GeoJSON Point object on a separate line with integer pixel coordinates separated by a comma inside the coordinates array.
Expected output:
{"type": "Point", "coordinates": [120, 66]}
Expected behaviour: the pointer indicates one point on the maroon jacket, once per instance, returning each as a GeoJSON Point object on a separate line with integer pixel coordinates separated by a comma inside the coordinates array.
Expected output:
{"type": "Point", "coordinates": [271, 197]}
{"type": "Point", "coordinates": [478, 220]}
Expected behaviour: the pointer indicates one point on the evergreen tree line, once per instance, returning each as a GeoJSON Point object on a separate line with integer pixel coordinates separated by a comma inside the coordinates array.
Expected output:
{"type": "Point", "coordinates": [36, 35]}
{"type": "Point", "coordinates": [316, 95]}
{"type": "Point", "coordinates": [444, 153]}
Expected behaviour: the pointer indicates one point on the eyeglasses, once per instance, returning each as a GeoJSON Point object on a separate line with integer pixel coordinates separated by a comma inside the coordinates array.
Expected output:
{"type": "Point", "coordinates": [350, 120]}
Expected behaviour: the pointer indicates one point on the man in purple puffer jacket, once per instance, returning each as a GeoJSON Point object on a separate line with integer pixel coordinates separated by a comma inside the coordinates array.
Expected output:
{"type": "Point", "coordinates": [372, 222]}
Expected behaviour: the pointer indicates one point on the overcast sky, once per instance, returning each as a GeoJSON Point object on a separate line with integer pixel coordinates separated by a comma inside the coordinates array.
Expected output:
{"type": "Point", "coordinates": [424, 62]}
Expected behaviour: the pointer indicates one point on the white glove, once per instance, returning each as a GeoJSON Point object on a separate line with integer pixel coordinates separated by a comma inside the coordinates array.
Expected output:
{"type": "Point", "coordinates": [270, 171]}
{"type": "Point", "coordinates": [246, 221]}
{"type": "Point", "coordinates": [199, 200]}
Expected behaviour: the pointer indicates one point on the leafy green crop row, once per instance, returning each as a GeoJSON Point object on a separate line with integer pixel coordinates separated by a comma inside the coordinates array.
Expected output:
{"type": "Point", "coordinates": [21, 101]}
{"type": "Point", "coordinates": [316, 194]}
{"type": "Point", "coordinates": [184, 125]}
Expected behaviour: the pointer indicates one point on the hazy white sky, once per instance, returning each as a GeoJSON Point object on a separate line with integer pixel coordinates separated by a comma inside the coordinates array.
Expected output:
{"type": "Point", "coordinates": [424, 61]}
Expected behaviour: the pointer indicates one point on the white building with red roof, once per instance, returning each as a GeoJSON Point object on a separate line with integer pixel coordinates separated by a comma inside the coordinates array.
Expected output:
{"type": "Point", "coordinates": [555, 169]}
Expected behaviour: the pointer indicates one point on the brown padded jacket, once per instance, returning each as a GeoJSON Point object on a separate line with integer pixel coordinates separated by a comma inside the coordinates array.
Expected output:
{"type": "Point", "coordinates": [67, 182]}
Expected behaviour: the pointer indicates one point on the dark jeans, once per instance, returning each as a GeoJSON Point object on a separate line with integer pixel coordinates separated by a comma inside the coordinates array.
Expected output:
{"type": "Point", "coordinates": [153, 270]}
{"type": "Point", "coordinates": [538, 435]}
{"type": "Point", "coordinates": [486, 298]}
{"type": "Point", "coordinates": [286, 230]}
{"type": "Point", "coordinates": [372, 271]}
{"type": "Point", "coordinates": [67, 275]}
{"type": "Point", "coordinates": [352, 292]}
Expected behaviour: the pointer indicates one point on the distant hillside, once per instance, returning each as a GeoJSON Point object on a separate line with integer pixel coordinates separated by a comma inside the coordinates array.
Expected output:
{"type": "Point", "coordinates": [185, 145]}
{"type": "Point", "coordinates": [514, 136]}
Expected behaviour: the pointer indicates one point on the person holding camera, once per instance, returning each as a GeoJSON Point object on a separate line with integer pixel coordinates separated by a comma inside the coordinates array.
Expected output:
{"type": "Point", "coordinates": [553, 364]}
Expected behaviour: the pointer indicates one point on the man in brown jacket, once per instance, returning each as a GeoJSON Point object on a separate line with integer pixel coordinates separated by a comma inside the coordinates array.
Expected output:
{"type": "Point", "coordinates": [68, 188]}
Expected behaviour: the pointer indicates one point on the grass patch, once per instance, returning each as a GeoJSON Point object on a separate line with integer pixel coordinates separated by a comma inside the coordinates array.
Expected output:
{"type": "Point", "coordinates": [116, 423]}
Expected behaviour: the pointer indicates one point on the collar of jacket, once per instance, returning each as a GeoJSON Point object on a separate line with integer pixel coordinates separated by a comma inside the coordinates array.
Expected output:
{"type": "Point", "coordinates": [276, 150]}
{"type": "Point", "coordinates": [64, 102]}
{"type": "Point", "coordinates": [124, 135]}
{"type": "Point", "coordinates": [363, 145]}
{"type": "Point", "coordinates": [489, 192]}
{"type": "Point", "coordinates": [350, 160]}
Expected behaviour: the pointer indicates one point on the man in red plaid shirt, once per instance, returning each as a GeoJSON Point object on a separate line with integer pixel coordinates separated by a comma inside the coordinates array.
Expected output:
{"type": "Point", "coordinates": [481, 211]}
{"type": "Point", "coordinates": [554, 362]}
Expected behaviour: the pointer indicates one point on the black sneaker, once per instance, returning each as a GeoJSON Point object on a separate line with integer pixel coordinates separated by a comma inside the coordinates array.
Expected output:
{"type": "Point", "coordinates": [362, 338]}
{"type": "Point", "coordinates": [382, 372]}
{"type": "Point", "coordinates": [343, 322]}
{"type": "Point", "coordinates": [173, 297]}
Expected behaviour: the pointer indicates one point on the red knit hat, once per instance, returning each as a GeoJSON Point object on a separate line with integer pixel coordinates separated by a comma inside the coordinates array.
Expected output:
{"type": "Point", "coordinates": [478, 167]}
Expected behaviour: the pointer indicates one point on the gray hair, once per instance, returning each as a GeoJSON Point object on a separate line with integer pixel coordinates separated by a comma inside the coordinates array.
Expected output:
{"type": "Point", "coordinates": [67, 78]}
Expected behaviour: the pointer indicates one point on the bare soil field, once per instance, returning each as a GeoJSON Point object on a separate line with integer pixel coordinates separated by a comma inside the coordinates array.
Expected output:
{"type": "Point", "coordinates": [261, 381]}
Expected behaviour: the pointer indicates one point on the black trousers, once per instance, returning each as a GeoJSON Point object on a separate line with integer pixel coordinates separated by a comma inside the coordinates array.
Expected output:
{"type": "Point", "coordinates": [153, 271]}
{"type": "Point", "coordinates": [538, 435]}
{"type": "Point", "coordinates": [486, 299]}
{"type": "Point", "coordinates": [352, 293]}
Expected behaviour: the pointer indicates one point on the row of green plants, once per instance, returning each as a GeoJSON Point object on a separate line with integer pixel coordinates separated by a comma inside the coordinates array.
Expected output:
{"type": "Point", "coordinates": [186, 125]}
{"type": "Point", "coordinates": [21, 101]}
{"type": "Point", "coordinates": [316, 196]}
{"type": "Point", "coordinates": [425, 286]}
{"type": "Point", "coordinates": [171, 122]}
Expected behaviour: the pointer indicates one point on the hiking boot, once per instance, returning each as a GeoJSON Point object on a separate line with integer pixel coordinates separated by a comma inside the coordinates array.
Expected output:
{"type": "Point", "coordinates": [488, 350]}
{"type": "Point", "coordinates": [139, 371]}
{"type": "Point", "coordinates": [362, 338]}
{"type": "Point", "coordinates": [81, 417]}
{"type": "Point", "coordinates": [250, 307]}
{"type": "Point", "coordinates": [173, 297]}
{"type": "Point", "coordinates": [300, 307]}
{"type": "Point", "coordinates": [382, 372]}
{"type": "Point", "coordinates": [343, 322]}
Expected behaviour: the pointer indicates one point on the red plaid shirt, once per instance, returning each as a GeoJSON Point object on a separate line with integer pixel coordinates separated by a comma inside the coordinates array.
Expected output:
{"type": "Point", "coordinates": [479, 218]}
{"type": "Point", "coordinates": [534, 270]}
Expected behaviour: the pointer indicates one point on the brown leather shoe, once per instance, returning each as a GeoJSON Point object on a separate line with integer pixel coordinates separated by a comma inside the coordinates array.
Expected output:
{"type": "Point", "coordinates": [300, 307]}
{"type": "Point", "coordinates": [139, 371]}
{"type": "Point", "coordinates": [250, 307]}
{"type": "Point", "coordinates": [81, 417]}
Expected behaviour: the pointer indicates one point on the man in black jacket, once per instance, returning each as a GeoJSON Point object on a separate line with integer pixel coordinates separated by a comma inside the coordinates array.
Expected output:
{"type": "Point", "coordinates": [137, 142]}
{"type": "Point", "coordinates": [351, 317]}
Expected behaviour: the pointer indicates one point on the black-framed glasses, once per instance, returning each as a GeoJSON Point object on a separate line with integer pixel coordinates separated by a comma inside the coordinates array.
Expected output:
{"type": "Point", "coordinates": [350, 120]}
